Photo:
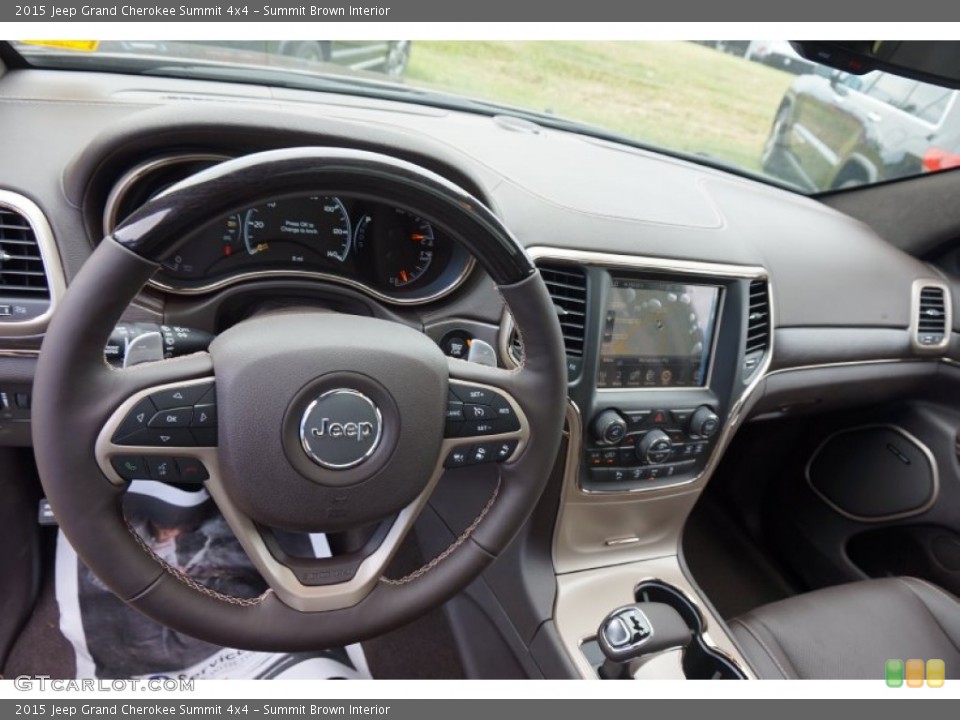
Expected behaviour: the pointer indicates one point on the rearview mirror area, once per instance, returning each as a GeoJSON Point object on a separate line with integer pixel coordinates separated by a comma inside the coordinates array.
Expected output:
{"type": "Point", "coordinates": [926, 60]}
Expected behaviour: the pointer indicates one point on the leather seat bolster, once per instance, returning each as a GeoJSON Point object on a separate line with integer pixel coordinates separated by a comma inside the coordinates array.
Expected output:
{"type": "Point", "coordinates": [850, 631]}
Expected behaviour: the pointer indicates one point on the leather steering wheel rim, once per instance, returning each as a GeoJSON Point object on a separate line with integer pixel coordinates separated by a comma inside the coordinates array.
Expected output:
{"type": "Point", "coordinates": [76, 393]}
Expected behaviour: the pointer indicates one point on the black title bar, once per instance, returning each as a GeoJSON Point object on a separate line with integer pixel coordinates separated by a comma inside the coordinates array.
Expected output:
{"type": "Point", "coordinates": [572, 11]}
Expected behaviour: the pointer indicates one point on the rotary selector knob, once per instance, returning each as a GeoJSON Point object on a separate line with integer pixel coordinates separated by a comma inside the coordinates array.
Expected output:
{"type": "Point", "coordinates": [704, 422]}
{"type": "Point", "coordinates": [654, 447]}
{"type": "Point", "coordinates": [609, 427]}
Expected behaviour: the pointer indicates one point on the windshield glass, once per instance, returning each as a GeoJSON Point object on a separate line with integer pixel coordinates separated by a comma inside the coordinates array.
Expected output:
{"type": "Point", "coordinates": [753, 106]}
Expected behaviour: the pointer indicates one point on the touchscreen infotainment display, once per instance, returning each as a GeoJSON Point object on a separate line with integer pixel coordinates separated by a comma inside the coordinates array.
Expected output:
{"type": "Point", "coordinates": [657, 334]}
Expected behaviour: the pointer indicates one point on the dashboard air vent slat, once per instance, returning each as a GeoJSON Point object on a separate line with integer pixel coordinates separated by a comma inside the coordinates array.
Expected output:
{"type": "Point", "coordinates": [931, 316]}
{"type": "Point", "coordinates": [22, 274]}
{"type": "Point", "coordinates": [567, 286]}
{"type": "Point", "coordinates": [758, 325]}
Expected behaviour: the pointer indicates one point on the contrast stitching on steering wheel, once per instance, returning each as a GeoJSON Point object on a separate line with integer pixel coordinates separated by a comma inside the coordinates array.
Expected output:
{"type": "Point", "coordinates": [464, 536]}
{"type": "Point", "coordinates": [190, 582]}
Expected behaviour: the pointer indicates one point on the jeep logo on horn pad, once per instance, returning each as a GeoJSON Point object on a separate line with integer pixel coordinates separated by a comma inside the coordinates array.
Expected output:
{"type": "Point", "coordinates": [340, 429]}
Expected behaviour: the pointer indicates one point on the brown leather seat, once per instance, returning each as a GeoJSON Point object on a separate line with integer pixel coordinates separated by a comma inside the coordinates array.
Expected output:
{"type": "Point", "coordinates": [850, 631]}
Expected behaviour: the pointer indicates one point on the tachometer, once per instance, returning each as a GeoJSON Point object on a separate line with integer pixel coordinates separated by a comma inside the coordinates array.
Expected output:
{"type": "Point", "coordinates": [405, 245]}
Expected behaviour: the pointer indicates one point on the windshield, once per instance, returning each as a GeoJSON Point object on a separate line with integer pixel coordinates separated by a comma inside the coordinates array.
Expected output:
{"type": "Point", "coordinates": [755, 107]}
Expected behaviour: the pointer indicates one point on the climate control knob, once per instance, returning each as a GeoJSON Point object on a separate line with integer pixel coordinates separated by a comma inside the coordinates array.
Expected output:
{"type": "Point", "coordinates": [609, 427]}
{"type": "Point", "coordinates": [654, 447]}
{"type": "Point", "coordinates": [704, 422]}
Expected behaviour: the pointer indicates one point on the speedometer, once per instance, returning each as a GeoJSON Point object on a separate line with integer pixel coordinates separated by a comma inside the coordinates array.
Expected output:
{"type": "Point", "coordinates": [318, 222]}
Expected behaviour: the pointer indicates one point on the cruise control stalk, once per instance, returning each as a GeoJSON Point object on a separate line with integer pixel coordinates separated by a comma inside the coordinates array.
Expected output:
{"type": "Point", "coordinates": [134, 343]}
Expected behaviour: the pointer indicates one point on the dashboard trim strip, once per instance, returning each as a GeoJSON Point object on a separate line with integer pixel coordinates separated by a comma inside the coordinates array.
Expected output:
{"type": "Point", "coordinates": [141, 171]}
{"type": "Point", "coordinates": [307, 275]}
{"type": "Point", "coordinates": [643, 262]}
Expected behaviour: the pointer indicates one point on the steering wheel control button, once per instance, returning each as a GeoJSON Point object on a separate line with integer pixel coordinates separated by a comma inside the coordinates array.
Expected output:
{"type": "Point", "coordinates": [478, 412]}
{"type": "Point", "coordinates": [159, 437]}
{"type": "Point", "coordinates": [191, 470]}
{"type": "Point", "coordinates": [209, 397]}
{"type": "Point", "coordinates": [480, 454]}
{"type": "Point", "coordinates": [341, 429]}
{"type": "Point", "coordinates": [204, 416]}
{"type": "Point", "coordinates": [504, 450]}
{"type": "Point", "coordinates": [454, 411]}
{"type": "Point", "coordinates": [179, 397]}
{"type": "Point", "coordinates": [509, 422]}
{"type": "Point", "coordinates": [458, 457]}
{"type": "Point", "coordinates": [471, 394]}
{"type": "Point", "coordinates": [485, 412]}
{"type": "Point", "coordinates": [204, 437]}
{"type": "Point", "coordinates": [136, 419]}
{"type": "Point", "coordinates": [163, 469]}
{"type": "Point", "coordinates": [172, 418]}
{"type": "Point", "coordinates": [130, 467]}
{"type": "Point", "coordinates": [479, 427]}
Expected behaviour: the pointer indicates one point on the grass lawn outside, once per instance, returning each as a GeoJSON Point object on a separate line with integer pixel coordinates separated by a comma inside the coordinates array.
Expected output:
{"type": "Point", "coordinates": [676, 94]}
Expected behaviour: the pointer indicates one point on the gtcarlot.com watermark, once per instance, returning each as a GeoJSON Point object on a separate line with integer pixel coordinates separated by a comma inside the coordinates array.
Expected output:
{"type": "Point", "coordinates": [152, 684]}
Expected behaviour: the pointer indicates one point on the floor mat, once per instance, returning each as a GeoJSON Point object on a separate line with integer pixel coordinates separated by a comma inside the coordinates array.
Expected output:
{"type": "Point", "coordinates": [40, 648]}
{"type": "Point", "coordinates": [112, 640]}
{"type": "Point", "coordinates": [728, 566]}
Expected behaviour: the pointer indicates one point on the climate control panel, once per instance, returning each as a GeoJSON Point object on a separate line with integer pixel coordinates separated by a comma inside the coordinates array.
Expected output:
{"type": "Point", "coordinates": [636, 448]}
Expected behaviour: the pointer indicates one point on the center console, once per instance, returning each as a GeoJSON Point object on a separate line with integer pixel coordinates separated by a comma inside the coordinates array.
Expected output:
{"type": "Point", "coordinates": [662, 358]}
{"type": "Point", "coordinates": [657, 348]}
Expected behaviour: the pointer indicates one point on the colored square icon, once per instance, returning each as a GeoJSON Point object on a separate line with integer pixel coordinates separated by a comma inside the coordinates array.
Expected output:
{"type": "Point", "coordinates": [936, 673]}
{"type": "Point", "coordinates": [914, 673]}
{"type": "Point", "coordinates": [894, 673]}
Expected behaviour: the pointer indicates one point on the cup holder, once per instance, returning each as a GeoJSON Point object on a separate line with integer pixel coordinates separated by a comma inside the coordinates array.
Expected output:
{"type": "Point", "coordinates": [700, 661]}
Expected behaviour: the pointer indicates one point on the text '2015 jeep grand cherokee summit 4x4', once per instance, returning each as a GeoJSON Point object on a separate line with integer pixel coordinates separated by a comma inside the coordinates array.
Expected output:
{"type": "Point", "coordinates": [586, 379]}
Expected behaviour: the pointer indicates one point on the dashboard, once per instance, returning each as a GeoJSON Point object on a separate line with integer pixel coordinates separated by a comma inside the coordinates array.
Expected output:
{"type": "Point", "coordinates": [667, 259]}
{"type": "Point", "coordinates": [690, 300]}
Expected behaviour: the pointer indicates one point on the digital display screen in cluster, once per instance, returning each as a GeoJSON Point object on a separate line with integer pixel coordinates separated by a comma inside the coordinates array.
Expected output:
{"type": "Point", "coordinates": [657, 334]}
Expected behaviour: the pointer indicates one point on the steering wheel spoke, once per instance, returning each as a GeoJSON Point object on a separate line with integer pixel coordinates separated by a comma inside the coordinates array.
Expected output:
{"type": "Point", "coordinates": [319, 584]}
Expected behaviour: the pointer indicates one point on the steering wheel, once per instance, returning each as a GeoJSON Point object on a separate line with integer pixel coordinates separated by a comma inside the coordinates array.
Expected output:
{"type": "Point", "coordinates": [302, 421]}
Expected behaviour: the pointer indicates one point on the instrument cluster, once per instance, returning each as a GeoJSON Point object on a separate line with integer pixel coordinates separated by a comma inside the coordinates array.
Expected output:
{"type": "Point", "coordinates": [383, 251]}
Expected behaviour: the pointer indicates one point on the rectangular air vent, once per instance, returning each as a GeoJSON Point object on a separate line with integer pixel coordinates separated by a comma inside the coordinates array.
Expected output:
{"type": "Point", "coordinates": [567, 285]}
{"type": "Point", "coordinates": [931, 315]}
{"type": "Point", "coordinates": [24, 289]}
{"type": "Point", "coordinates": [758, 325]}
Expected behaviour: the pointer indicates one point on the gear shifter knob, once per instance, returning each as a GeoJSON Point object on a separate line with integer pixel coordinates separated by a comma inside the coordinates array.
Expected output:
{"type": "Point", "coordinates": [633, 631]}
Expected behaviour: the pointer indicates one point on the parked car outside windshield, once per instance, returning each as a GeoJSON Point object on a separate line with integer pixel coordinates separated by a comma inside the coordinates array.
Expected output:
{"type": "Point", "coordinates": [835, 131]}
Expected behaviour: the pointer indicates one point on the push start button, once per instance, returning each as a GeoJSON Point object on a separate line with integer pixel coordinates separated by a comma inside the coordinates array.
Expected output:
{"type": "Point", "coordinates": [341, 429]}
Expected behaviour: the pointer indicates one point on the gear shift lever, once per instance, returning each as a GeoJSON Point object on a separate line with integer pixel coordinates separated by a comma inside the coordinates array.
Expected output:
{"type": "Point", "coordinates": [633, 631]}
